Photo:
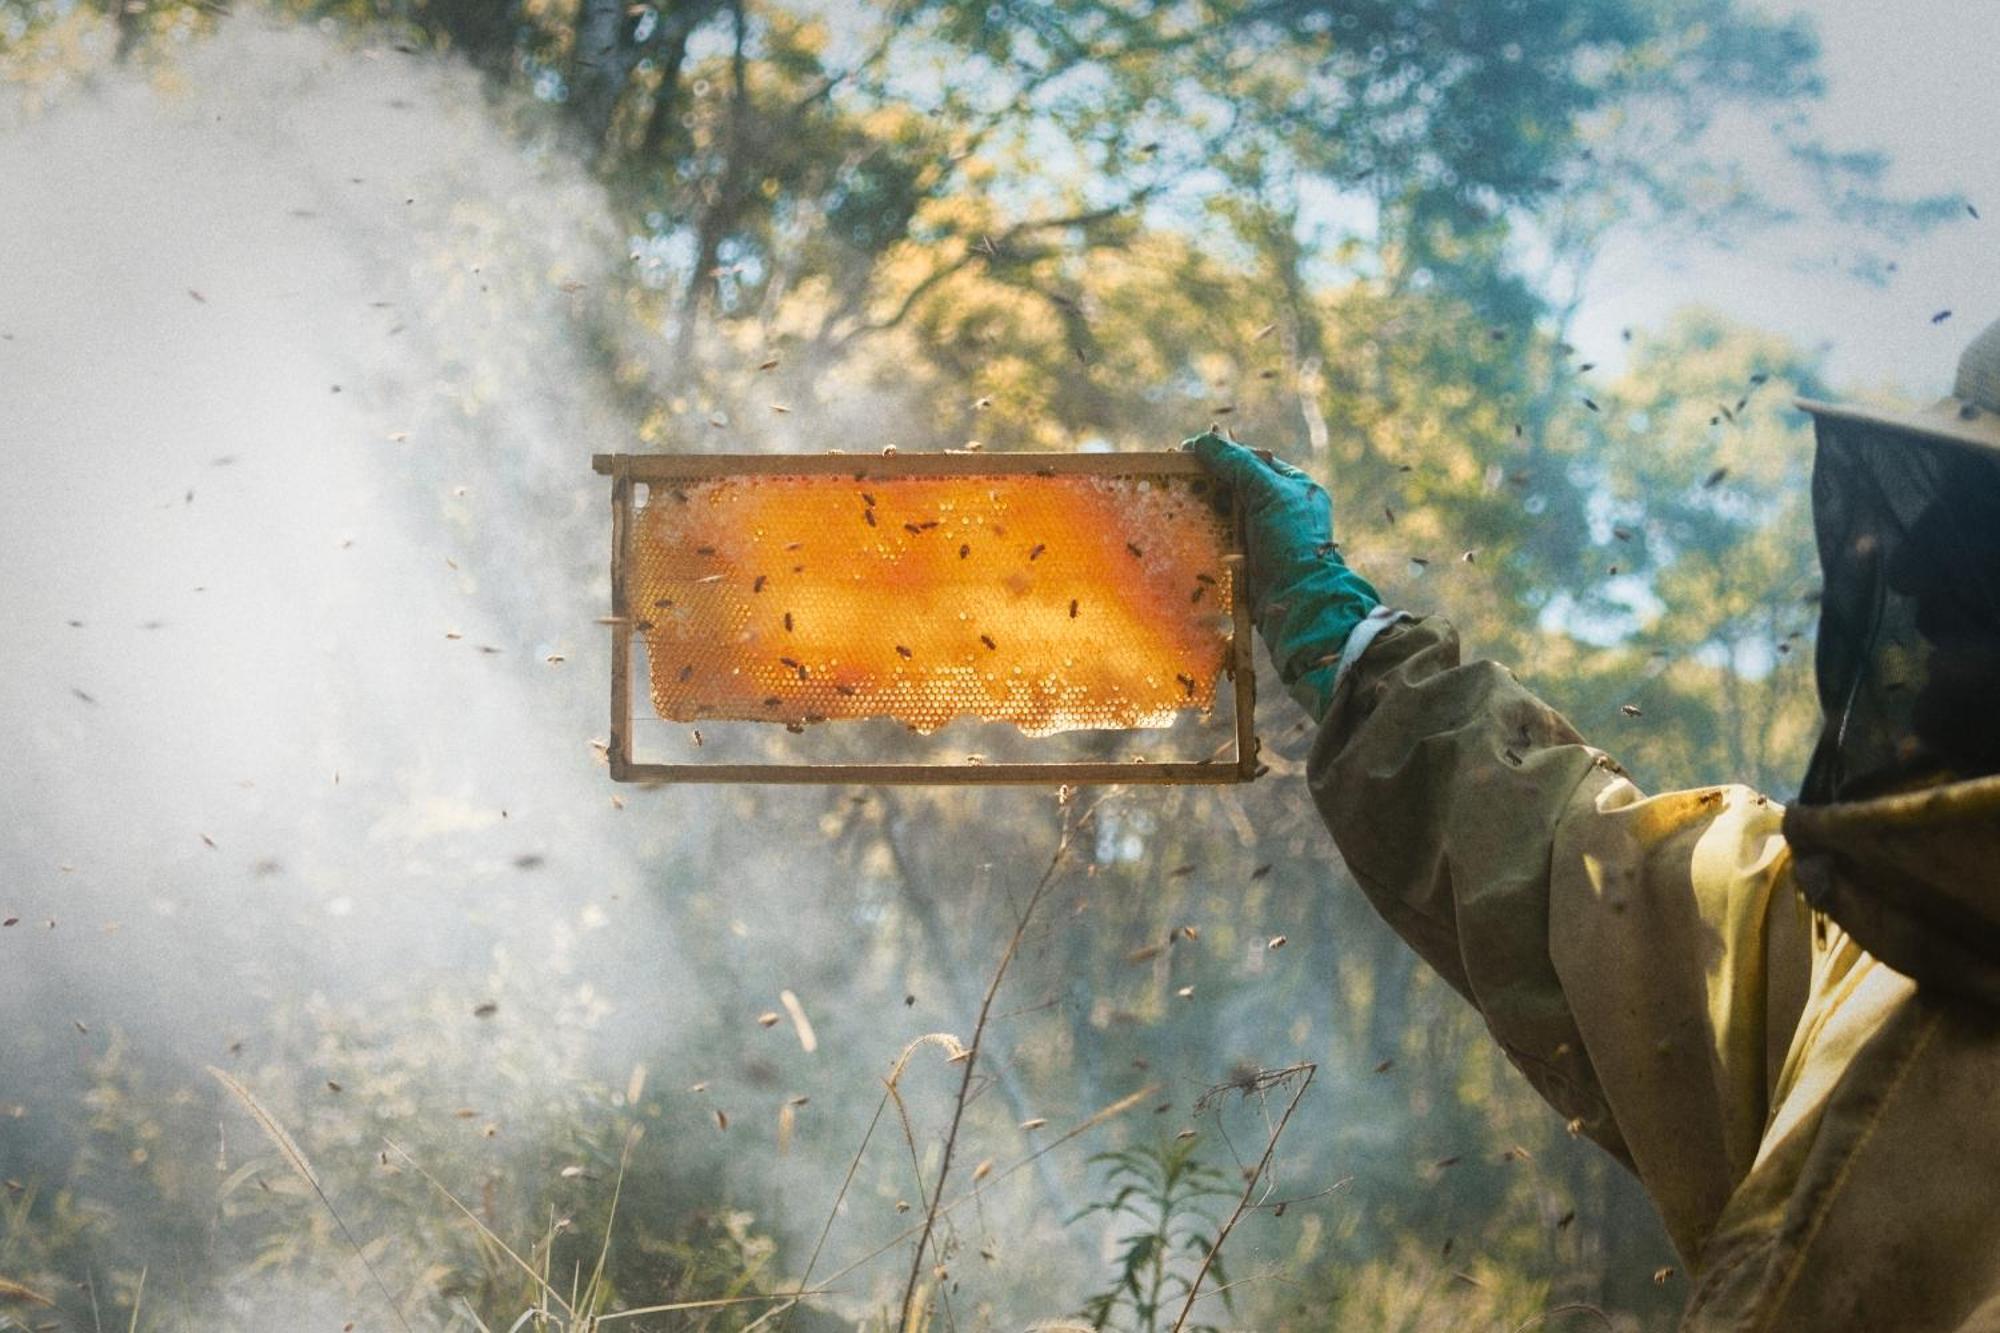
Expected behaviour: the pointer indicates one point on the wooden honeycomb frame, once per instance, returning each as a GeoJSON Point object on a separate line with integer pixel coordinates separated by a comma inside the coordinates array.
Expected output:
{"type": "Point", "coordinates": [1240, 764]}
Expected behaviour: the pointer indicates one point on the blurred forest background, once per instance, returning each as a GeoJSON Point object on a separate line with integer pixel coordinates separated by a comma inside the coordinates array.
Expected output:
{"type": "Point", "coordinates": [313, 312]}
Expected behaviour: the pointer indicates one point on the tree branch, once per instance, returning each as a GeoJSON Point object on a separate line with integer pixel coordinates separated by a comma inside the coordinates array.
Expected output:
{"type": "Point", "coordinates": [974, 254]}
{"type": "Point", "coordinates": [1243, 1204]}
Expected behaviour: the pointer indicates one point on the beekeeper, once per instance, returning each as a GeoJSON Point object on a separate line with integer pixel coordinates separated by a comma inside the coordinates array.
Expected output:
{"type": "Point", "coordinates": [1786, 1022]}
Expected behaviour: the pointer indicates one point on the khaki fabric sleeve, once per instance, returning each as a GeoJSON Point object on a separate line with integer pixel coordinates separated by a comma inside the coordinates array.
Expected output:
{"type": "Point", "coordinates": [1642, 960]}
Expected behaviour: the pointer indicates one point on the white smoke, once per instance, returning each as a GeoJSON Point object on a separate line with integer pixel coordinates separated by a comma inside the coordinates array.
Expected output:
{"type": "Point", "coordinates": [305, 345]}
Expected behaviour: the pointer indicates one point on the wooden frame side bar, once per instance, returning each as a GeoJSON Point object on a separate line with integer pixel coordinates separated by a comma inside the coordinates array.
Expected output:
{"type": "Point", "coordinates": [1245, 664]}
{"type": "Point", "coordinates": [619, 751]}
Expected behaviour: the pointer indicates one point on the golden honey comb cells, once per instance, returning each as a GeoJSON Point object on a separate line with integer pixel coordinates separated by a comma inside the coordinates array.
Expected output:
{"type": "Point", "coordinates": [1053, 601]}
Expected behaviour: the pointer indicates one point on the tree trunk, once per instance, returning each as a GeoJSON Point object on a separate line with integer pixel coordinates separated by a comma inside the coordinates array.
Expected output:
{"type": "Point", "coordinates": [720, 215]}
{"type": "Point", "coordinates": [601, 66]}
{"type": "Point", "coordinates": [670, 49]}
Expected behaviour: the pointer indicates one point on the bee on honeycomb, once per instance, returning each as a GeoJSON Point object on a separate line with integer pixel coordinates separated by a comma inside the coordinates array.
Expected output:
{"type": "Point", "coordinates": [1054, 602]}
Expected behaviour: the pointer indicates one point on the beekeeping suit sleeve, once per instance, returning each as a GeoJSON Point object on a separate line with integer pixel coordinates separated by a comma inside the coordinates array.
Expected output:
{"type": "Point", "coordinates": [1641, 959]}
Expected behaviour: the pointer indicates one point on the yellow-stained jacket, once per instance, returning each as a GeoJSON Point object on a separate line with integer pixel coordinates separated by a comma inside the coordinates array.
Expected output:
{"type": "Point", "coordinates": [1822, 1143]}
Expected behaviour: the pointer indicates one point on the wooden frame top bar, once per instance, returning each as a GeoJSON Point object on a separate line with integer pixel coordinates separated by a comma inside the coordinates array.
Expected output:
{"type": "Point", "coordinates": [676, 467]}
{"type": "Point", "coordinates": [624, 469]}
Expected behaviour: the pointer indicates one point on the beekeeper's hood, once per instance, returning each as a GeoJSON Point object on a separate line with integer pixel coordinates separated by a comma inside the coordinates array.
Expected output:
{"type": "Point", "coordinates": [1897, 828]}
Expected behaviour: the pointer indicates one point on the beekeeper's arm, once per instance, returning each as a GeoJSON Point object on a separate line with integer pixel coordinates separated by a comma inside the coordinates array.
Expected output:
{"type": "Point", "coordinates": [1632, 955]}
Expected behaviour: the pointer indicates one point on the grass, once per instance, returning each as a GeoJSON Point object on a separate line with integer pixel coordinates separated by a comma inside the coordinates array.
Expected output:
{"type": "Point", "coordinates": [295, 1158]}
{"type": "Point", "coordinates": [461, 1258]}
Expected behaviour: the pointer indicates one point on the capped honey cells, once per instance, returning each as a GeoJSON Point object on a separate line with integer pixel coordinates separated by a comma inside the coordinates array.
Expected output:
{"type": "Point", "coordinates": [1053, 602]}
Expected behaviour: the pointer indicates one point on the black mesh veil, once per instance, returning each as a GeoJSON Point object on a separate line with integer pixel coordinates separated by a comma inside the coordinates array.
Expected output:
{"type": "Point", "coordinates": [1909, 641]}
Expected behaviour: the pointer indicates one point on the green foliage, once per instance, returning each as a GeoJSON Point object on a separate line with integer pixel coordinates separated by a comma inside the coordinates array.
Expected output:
{"type": "Point", "coordinates": [1164, 1189]}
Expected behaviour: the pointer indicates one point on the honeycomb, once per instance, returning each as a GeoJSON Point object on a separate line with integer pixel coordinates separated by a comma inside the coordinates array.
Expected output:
{"type": "Point", "coordinates": [1056, 602]}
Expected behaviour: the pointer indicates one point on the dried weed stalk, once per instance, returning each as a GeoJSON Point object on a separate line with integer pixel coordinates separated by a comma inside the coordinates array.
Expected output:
{"type": "Point", "coordinates": [956, 1052]}
{"type": "Point", "coordinates": [1101, 1116]}
{"type": "Point", "coordinates": [1300, 1076]}
{"type": "Point", "coordinates": [1063, 844]}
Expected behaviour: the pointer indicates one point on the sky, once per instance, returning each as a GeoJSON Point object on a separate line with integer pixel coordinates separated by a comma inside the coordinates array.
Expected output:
{"type": "Point", "coordinates": [1916, 79]}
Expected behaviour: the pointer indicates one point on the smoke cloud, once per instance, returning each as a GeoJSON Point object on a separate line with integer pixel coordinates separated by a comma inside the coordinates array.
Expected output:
{"type": "Point", "coordinates": [305, 354]}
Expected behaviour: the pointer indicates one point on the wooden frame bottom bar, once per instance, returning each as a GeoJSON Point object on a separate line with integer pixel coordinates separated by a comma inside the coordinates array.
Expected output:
{"type": "Point", "coordinates": [1091, 774]}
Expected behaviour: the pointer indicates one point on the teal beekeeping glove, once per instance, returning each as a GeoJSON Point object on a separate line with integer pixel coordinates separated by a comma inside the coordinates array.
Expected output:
{"type": "Point", "coordinates": [1304, 598]}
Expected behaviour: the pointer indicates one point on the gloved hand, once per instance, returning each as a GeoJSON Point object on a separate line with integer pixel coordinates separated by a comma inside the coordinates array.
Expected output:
{"type": "Point", "coordinates": [1304, 598]}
